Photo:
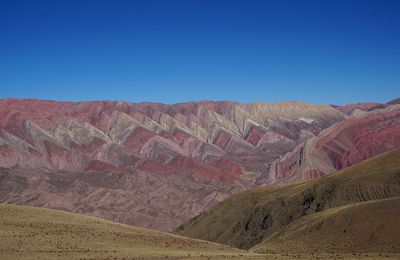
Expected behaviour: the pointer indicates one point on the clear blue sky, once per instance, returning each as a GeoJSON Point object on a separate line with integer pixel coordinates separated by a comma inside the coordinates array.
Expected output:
{"type": "Point", "coordinates": [175, 51]}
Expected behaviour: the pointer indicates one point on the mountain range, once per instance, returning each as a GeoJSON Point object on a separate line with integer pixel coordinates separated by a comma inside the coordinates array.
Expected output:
{"type": "Point", "coordinates": [156, 165]}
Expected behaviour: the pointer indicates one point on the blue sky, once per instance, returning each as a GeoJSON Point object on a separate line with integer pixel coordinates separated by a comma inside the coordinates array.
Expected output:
{"type": "Point", "coordinates": [176, 51]}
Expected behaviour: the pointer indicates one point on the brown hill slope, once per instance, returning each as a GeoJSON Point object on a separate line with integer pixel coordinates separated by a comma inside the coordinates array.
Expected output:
{"type": "Point", "coordinates": [33, 233]}
{"type": "Point", "coordinates": [371, 226]}
{"type": "Point", "coordinates": [248, 218]}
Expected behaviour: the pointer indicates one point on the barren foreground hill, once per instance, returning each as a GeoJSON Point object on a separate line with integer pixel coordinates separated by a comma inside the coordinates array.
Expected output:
{"type": "Point", "coordinates": [34, 233]}
{"type": "Point", "coordinates": [352, 211]}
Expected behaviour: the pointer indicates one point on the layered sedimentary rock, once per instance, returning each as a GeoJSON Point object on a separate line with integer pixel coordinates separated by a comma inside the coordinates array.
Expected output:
{"type": "Point", "coordinates": [146, 164]}
{"type": "Point", "coordinates": [357, 108]}
{"type": "Point", "coordinates": [346, 143]}
{"type": "Point", "coordinates": [118, 135]}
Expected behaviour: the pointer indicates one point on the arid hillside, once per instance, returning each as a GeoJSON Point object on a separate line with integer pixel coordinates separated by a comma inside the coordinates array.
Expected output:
{"type": "Point", "coordinates": [358, 204]}
{"type": "Point", "coordinates": [370, 226]}
{"type": "Point", "coordinates": [33, 233]}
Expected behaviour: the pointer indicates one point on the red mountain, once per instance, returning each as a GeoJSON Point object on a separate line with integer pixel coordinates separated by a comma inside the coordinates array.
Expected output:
{"type": "Point", "coordinates": [353, 140]}
{"type": "Point", "coordinates": [156, 165]}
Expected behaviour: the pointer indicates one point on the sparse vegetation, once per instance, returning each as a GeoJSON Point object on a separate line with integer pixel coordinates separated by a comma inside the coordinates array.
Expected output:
{"type": "Point", "coordinates": [302, 218]}
{"type": "Point", "coordinates": [33, 233]}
